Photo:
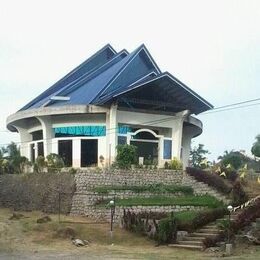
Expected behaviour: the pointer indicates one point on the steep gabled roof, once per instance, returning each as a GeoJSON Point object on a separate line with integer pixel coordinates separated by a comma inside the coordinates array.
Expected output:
{"type": "Point", "coordinates": [95, 61]}
{"type": "Point", "coordinates": [108, 76]}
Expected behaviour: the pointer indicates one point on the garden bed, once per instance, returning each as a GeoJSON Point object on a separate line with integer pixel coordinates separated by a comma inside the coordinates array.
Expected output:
{"type": "Point", "coordinates": [204, 201]}
{"type": "Point", "coordinates": [156, 188]}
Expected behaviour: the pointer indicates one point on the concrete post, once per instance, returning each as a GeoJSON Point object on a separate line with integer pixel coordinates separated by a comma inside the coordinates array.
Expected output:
{"type": "Point", "coordinates": [48, 134]}
{"type": "Point", "coordinates": [112, 132]}
{"type": "Point", "coordinates": [160, 153]}
{"type": "Point", "coordinates": [177, 130]}
{"type": "Point", "coordinates": [25, 137]}
{"type": "Point", "coordinates": [76, 153]}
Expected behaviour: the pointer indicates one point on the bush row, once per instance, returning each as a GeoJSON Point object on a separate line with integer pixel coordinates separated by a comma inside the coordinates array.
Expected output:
{"type": "Point", "coordinates": [246, 216]}
{"type": "Point", "coordinates": [163, 230]}
{"type": "Point", "coordinates": [163, 227]}
{"type": "Point", "coordinates": [202, 218]}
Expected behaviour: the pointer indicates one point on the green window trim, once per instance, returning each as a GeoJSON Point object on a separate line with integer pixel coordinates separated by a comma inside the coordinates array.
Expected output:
{"type": "Point", "coordinates": [92, 130]}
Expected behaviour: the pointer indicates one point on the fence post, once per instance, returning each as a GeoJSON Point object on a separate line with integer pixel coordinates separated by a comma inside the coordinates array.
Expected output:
{"type": "Point", "coordinates": [59, 205]}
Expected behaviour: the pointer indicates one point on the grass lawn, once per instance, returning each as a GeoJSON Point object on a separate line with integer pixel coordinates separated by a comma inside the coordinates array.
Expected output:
{"type": "Point", "coordinates": [158, 188]}
{"type": "Point", "coordinates": [205, 200]}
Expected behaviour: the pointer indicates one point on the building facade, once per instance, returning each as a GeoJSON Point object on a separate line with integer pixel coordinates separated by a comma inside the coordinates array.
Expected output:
{"type": "Point", "coordinates": [112, 98]}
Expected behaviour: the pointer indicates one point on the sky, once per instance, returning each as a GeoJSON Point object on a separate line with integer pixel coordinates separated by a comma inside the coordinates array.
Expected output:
{"type": "Point", "coordinates": [211, 46]}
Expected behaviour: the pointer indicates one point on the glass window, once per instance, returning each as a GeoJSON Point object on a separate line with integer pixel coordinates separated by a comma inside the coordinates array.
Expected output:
{"type": "Point", "coordinates": [167, 149]}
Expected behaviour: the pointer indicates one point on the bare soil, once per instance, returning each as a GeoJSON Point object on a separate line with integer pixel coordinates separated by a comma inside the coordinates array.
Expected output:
{"type": "Point", "coordinates": [24, 238]}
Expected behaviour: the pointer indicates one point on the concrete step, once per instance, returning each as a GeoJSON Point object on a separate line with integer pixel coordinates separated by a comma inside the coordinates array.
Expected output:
{"type": "Point", "coordinates": [189, 238]}
{"type": "Point", "coordinates": [198, 234]}
{"type": "Point", "coordinates": [213, 226]}
{"type": "Point", "coordinates": [209, 230]}
{"type": "Point", "coordinates": [186, 246]}
{"type": "Point", "coordinates": [191, 242]}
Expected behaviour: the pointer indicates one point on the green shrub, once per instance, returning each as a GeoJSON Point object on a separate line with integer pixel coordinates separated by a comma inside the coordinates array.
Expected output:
{"type": "Point", "coordinates": [238, 194]}
{"type": "Point", "coordinates": [166, 230]}
{"type": "Point", "coordinates": [174, 164]}
{"type": "Point", "coordinates": [54, 162]}
{"type": "Point", "coordinates": [40, 164]}
{"type": "Point", "coordinates": [126, 156]}
{"type": "Point", "coordinates": [200, 219]}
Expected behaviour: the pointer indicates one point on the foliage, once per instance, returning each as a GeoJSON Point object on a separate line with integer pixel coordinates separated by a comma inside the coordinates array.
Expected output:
{"type": "Point", "coordinates": [54, 162]}
{"type": "Point", "coordinates": [40, 164]}
{"type": "Point", "coordinates": [211, 179]}
{"type": "Point", "coordinates": [167, 230]}
{"type": "Point", "coordinates": [246, 216]}
{"type": "Point", "coordinates": [197, 157]}
{"type": "Point", "coordinates": [199, 219]}
{"type": "Point", "coordinates": [212, 241]}
{"type": "Point", "coordinates": [256, 147]}
{"type": "Point", "coordinates": [14, 162]}
{"type": "Point", "coordinates": [205, 200]}
{"type": "Point", "coordinates": [164, 230]}
{"type": "Point", "coordinates": [174, 164]}
{"type": "Point", "coordinates": [154, 188]}
{"type": "Point", "coordinates": [233, 158]}
{"type": "Point", "coordinates": [126, 156]}
{"type": "Point", "coordinates": [238, 194]}
{"type": "Point", "coordinates": [229, 172]}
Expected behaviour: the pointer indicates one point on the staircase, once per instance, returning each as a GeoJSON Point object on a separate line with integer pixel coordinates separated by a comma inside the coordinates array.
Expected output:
{"type": "Point", "coordinates": [195, 239]}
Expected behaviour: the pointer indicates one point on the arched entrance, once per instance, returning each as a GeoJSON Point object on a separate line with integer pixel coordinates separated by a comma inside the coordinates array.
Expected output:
{"type": "Point", "coordinates": [147, 143]}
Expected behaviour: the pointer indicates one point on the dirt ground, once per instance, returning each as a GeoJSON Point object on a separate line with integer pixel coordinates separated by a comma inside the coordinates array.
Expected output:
{"type": "Point", "coordinates": [26, 239]}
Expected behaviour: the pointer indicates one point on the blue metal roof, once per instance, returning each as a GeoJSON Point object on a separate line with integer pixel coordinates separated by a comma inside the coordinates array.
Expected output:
{"type": "Point", "coordinates": [108, 76]}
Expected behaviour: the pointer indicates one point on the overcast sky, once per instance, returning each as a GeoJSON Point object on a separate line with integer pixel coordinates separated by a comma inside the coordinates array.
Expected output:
{"type": "Point", "coordinates": [212, 46]}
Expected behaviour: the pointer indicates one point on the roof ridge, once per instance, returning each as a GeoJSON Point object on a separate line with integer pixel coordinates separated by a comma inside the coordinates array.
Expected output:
{"type": "Point", "coordinates": [133, 54]}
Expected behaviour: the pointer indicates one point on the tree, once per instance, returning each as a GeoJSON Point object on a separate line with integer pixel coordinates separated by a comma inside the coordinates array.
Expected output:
{"type": "Point", "coordinates": [256, 147]}
{"type": "Point", "coordinates": [126, 156]}
{"type": "Point", "coordinates": [197, 156]}
{"type": "Point", "coordinates": [233, 158]}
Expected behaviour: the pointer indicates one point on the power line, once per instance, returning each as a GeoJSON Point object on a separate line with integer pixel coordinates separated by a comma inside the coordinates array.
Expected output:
{"type": "Point", "coordinates": [236, 104]}
{"type": "Point", "coordinates": [230, 108]}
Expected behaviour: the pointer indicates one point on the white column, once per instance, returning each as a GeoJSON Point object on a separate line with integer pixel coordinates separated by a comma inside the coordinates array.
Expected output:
{"type": "Point", "coordinates": [177, 130]}
{"type": "Point", "coordinates": [76, 153]}
{"type": "Point", "coordinates": [186, 145]}
{"type": "Point", "coordinates": [25, 137]}
{"type": "Point", "coordinates": [111, 134]}
{"type": "Point", "coordinates": [54, 147]}
{"type": "Point", "coordinates": [160, 153]}
{"type": "Point", "coordinates": [48, 134]}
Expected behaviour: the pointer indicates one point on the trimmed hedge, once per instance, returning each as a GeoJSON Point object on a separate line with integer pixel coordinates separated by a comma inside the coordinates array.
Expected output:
{"type": "Point", "coordinates": [201, 219]}
{"type": "Point", "coordinates": [205, 201]}
{"type": "Point", "coordinates": [211, 179]}
{"type": "Point", "coordinates": [156, 188]}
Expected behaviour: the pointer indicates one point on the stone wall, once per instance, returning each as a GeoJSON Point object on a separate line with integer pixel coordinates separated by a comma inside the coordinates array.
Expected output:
{"type": "Point", "coordinates": [84, 199]}
{"type": "Point", "coordinates": [87, 180]}
{"type": "Point", "coordinates": [104, 214]}
{"type": "Point", "coordinates": [37, 191]}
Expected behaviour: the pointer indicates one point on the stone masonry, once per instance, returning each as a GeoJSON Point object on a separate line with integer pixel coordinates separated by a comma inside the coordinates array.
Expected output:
{"type": "Point", "coordinates": [84, 199]}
